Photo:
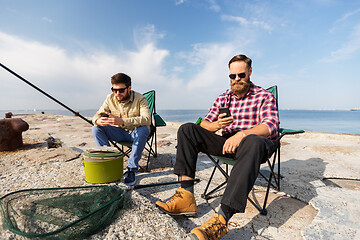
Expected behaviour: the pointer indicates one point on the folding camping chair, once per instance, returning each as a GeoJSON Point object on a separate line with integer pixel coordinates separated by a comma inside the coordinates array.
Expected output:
{"type": "Point", "coordinates": [217, 160]}
{"type": "Point", "coordinates": [156, 121]}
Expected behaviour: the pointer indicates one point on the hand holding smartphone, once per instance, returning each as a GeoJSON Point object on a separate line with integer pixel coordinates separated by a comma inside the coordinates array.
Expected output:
{"type": "Point", "coordinates": [225, 110]}
{"type": "Point", "coordinates": [104, 114]}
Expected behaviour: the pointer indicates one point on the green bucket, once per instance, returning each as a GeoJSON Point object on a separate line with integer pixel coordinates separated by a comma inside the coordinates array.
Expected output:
{"type": "Point", "coordinates": [102, 166]}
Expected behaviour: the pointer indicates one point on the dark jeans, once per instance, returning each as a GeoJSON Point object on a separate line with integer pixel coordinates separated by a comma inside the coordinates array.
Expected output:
{"type": "Point", "coordinates": [252, 151]}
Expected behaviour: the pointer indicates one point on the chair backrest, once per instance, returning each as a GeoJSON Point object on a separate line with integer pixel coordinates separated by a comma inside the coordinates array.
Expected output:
{"type": "Point", "coordinates": [274, 91]}
{"type": "Point", "coordinates": [150, 97]}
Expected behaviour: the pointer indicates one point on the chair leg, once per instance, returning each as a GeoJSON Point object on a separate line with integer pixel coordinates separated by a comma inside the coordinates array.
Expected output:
{"type": "Point", "coordinates": [126, 153]}
{"type": "Point", "coordinates": [279, 176]}
{"type": "Point", "coordinates": [207, 195]}
{"type": "Point", "coordinates": [147, 163]}
{"type": "Point", "coordinates": [262, 211]}
{"type": "Point", "coordinates": [272, 176]}
{"type": "Point", "coordinates": [262, 175]}
{"type": "Point", "coordinates": [155, 143]}
{"type": "Point", "coordinates": [151, 149]}
{"type": "Point", "coordinates": [148, 160]}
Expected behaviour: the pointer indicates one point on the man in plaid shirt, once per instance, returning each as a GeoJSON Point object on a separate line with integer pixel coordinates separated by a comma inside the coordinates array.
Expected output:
{"type": "Point", "coordinates": [248, 136]}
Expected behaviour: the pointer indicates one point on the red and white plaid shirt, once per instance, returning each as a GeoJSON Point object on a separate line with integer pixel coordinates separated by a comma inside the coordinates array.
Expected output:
{"type": "Point", "coordinates": [256, 107]}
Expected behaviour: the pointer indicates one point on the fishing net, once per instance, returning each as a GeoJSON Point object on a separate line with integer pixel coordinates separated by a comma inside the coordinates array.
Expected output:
{"type": "Point", "coordinates": [61, 213]}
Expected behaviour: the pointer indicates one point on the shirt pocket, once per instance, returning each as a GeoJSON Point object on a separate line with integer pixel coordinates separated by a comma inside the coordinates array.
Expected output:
{"type": "Point", "coordinates": [116, 113]}
{"type": "Point", "coordinates": [134, 112]}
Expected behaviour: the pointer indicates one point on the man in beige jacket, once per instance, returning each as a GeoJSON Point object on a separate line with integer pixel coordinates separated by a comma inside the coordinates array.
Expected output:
{"type": "Point", "coordinates": [124, 116]}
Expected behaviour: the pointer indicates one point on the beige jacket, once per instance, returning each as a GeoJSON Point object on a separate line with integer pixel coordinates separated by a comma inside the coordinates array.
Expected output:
{"type": "Point", "coordinates": [134, 112]}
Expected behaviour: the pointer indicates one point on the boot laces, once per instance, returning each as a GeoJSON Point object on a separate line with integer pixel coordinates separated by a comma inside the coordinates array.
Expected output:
{"type": "Point", "coordinates": [177, 195]}
{"type": "Point", "coordinates": [215, 229]}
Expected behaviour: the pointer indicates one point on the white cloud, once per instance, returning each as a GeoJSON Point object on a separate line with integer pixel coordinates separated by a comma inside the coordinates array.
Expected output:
{"type": "Point", "coordinates": [247, 23]}
{"type": "Point", "coordinates": [343, 20]}
{"type": "Point", "coordinates": [214, 6]}
{"type": "Point", "coordinates": [348, 48]}
{"type": "Point", "coordinates": [348, 15]}
{"type": "Point", "coordinates": [147, 34]}
{"type": "Point", "coordinates": [146, 64]}
{"type": "Point", "coordinates": [213, 59]}
{"type": "Point", "coordinates": [46, 19]}
{"type": "Point", "coordinates": [178, 69]}
{"type": "Point", "coordinates": [82, 80]}
{"type": "Point", "coordinates": [178, 2]}
{"type": "Point", "coordinates": [240, 20]}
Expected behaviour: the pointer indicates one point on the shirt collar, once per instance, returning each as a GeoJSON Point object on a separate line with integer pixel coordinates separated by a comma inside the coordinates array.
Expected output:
{"type": "Point", "coordinates": [132, 96]}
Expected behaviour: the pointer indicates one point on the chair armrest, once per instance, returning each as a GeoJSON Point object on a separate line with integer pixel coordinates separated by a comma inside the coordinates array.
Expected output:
{"type": "Point", "coordinates": [159, 122]}
{"type": "Point", "coordinates": [285, 131]}
{"type": "Point", "coordinates": [198, 121]}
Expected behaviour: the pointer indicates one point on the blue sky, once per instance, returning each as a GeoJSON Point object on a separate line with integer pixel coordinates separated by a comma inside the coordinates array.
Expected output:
{"type": "Point", "coordinates": [180, 48]}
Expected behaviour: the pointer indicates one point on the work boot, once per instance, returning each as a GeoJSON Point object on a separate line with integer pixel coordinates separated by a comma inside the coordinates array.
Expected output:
{"type": "Point", "coordinates": [213, 229]}
{"type": "Point", "coordinates": [181, 203]}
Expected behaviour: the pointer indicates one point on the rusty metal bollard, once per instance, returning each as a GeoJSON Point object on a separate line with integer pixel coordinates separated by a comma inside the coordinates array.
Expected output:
{"type": "Point", "coordinates": [8, 115]}
{"type": "Point", "coordinates": [11, 133]}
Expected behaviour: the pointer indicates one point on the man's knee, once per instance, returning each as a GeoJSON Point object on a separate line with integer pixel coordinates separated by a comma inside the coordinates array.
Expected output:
{"type": "Point", "coordinates": [142, 131]}
{"type": "Point", "coordinates": [255, 144]}
{"type": "Point", "coordinates": [251, 143]}
{"type": "Point", "coordinates": [253, 140]}
{"type": "Point", "coordinates": [186, 128]}
{"type": "Point", "coordinates": [95, 130]}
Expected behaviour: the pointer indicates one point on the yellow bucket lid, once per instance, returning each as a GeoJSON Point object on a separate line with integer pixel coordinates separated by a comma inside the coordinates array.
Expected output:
{"type": "Point", "coordinates": [101, 154]}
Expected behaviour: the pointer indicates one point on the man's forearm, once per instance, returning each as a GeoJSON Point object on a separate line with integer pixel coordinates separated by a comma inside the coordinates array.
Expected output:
{"type": "Point", "coordinates": [234, 141]}
{"type": "Point", "coordinates": [210, 126]}
{"type": "Point", "coordinates": [261, 130]}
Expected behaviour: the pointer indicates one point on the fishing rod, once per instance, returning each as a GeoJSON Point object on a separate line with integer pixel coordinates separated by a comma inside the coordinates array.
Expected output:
{"type": "Point", "coordinates": [54, 99]}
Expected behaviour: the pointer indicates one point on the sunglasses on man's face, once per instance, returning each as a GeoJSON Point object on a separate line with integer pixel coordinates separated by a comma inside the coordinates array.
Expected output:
{"type": "Point", "coordinates": [240, 75]}
{"type": "Point", "coordinates": [120, 90]}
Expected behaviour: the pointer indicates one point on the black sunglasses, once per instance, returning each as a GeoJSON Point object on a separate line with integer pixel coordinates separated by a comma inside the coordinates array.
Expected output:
{"type": "Point", "coordinates": [120, 90]}
{"type": "Point", "coordinates": [240, 75]}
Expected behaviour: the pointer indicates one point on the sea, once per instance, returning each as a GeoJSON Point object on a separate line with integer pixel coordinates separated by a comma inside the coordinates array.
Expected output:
{"type": "Point", "coordinates": [331, 121]}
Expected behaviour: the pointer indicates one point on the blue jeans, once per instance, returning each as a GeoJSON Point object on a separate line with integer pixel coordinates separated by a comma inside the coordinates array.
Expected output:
{"type": "Point", "coordinates": [138, 137]}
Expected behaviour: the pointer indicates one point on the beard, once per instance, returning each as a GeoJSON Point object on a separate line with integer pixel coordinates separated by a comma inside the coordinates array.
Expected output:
{"type": "Point", "coordinates": [123, 98]}
{"type": "Point", "coordinates": [240, 87]}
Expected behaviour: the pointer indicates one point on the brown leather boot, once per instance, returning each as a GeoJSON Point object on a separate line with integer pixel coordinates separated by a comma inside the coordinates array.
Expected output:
{"type": "Point", "coordinates": [213, 229]}
{"type": "Point", "coordinates": [181, 203]}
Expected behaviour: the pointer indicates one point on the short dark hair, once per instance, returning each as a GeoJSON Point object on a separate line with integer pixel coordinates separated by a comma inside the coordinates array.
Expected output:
{"type": "Point", "coordinates": [121, 78]}
{"type": "Point", "coordinates": [243, 58]}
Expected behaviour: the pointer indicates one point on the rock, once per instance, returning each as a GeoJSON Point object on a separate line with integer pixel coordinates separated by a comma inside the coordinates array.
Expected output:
{"type": "Point", "coordinates": [11, 133]}
{"type": "Point", "coordinates": [8, 115]}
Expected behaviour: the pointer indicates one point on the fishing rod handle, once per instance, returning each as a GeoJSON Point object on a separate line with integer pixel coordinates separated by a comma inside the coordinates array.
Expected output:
{"type": "Point", "coordinates": [139, 186]}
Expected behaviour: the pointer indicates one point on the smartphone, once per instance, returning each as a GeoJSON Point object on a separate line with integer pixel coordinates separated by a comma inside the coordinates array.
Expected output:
{"type": "Point", "coordinates": [225, 110]}
{"type": "Point", "coordinates": [104, 114]}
